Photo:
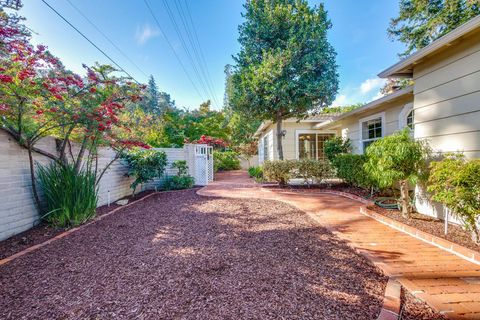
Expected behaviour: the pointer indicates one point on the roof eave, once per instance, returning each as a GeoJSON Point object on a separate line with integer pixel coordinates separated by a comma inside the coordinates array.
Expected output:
{"type": "Point", "coordinates": [371, 105]}
{"type": "Point", "coordinates": [404, 67]}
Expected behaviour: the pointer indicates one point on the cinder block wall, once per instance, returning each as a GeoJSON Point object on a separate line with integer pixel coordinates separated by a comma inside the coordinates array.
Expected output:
{"type": "Point", "coordinates": [17, 207]}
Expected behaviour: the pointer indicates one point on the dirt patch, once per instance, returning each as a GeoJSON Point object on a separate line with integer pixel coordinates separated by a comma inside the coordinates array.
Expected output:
{"type": "Point", "coordinates": [192, 257]}
{"type": "Point", "coordinates": [43, 232]}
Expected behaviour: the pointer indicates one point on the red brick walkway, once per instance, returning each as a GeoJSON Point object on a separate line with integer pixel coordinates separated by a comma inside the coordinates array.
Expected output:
{"type": "Point", "coordinates": [448, 283]}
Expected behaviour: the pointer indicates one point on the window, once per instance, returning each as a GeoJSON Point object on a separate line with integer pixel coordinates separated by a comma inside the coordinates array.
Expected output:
{"type": "Point", "coordinates": [371, 129]}
{"type": "Point", "coordinates": [310, 145]}
{"type": "Point", "coordinates": [307, 148]}
{"type": "Point", "coordinates": [265, 148]}
{"type": "Point", "coordinates": [410, 118]}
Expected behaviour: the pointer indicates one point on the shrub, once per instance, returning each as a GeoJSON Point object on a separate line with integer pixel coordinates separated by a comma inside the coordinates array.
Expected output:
{"type": "Point", "coordinates": [71, 196]}
{"type": "Point", "coordinates": [455, 183]}
{"type": "Point", "coordinates": [278, 170]}
{"type": "Point", "coordinates": [397, 158]}
{"type": "Point", "coordinates": [350, 168]}
{"type": "Point", "coordinates": [225, 160]}
{"type": "Point", "coordinates": [312, 170]}
{"type": "Point", "coordinates": [181, 166]}
{"type": "Point", "coordinates": [256, 172]}
{"type": "Point", "coordinates": [180, 181]}
{"type": "Point", "coordinates": [145, 165]}
{"type": "Point", "coordinates": [336, 146]}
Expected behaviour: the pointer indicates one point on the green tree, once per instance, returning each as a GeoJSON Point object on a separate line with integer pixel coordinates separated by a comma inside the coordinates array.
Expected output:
{"type": "Point", "coordinates": [205, 107]}
{"type": "Point", "coordinates": [151, 97]}
{"type": "Point", "coordinates": [397, 158]}
{"type": "Point", "coordinates": [286, 66]}
{"type": "Point", "coordinates": [421, 22]}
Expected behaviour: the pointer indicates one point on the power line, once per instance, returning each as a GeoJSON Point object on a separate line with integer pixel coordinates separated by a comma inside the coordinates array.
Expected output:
{"type": "Point", "coordinates": [190, 37]}
{"type": "Point", "coordinates": [107, 38]}
{"type": "Point", "coordinates": [185, 47]}
{"type": "Point", "coordinates": [196, 38]}
{"type": "Point", "coordinates": [90, 41]}
{"type": "Point", "coordinates": [173, 49]}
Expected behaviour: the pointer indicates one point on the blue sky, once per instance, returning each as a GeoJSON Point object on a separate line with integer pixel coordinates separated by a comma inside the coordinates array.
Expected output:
{"type": "Point", "coordinates": [358, 35]}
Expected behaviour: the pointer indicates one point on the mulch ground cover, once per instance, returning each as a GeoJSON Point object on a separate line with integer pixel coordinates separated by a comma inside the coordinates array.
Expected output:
{"type": "Point", "coordinates": [42, 232]}
{"type": "Point", "coordinates": [415, 309]}
{"type": "Point", "coordinates": [184, 256]}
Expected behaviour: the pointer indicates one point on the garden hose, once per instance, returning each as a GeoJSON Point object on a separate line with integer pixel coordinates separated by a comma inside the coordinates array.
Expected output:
{"type": "Point", "coordinates": [389, 206]}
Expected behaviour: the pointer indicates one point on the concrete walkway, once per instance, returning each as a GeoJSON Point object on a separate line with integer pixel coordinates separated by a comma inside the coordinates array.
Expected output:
{"type": "Point", "coordinates": [448, 283]}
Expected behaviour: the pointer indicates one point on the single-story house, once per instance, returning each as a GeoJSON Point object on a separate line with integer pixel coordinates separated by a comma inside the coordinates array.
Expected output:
{"type": "Point", "coordinates": [300, 138]}
{"type": "Point", "coordinates": [442, 106]}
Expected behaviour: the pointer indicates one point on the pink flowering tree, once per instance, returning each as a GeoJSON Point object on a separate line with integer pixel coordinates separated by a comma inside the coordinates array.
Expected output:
{"type": "Point", "coordinates": [39, 97]}
{"type": "Point", "coordinates": [216, 143]}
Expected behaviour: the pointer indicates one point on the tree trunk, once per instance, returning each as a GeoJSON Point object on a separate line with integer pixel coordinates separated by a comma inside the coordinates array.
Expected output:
{"type": "Point", "coordinates": [279, 136]}
{"type": "Point", "coordinates": [405, 199]}
{"type": "Point", "coordinates": [32, 178]}
{"type": "Point", "coordinates": [81, 153]}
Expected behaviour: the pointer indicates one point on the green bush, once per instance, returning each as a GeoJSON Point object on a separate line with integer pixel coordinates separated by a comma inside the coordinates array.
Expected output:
{"type": "Point", "coordinates": [312, 170]}
{"type": "Point", "coordinates": [455, 182]}
{"type": "Point", "coordinates": [397, 159]}
{"type": "Point", "coordinates": [278, 171]}
{"type": "Point", "coordinates": [71, 196]}
{"type": "Point", "coordinates": [225, 160]}
{"type": "Point", "coordinates": [180, 181]}
{"type": "Point", "coordinates": [145, 165]}
{"type": "Point", "coordinates": [336, 146]}
{"type": "Point", "coordinates": [256, 173]}
{"type": "Point", "coordinates": [181, 166]}
{"type": "Point", "coordinates": [350, 168]}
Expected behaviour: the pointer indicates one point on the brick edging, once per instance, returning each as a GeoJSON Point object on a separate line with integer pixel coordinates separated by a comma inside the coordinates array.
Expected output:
{"type": "Point", "coordinates": [459, 250]}
{"type": "Point", "coordinates": [391, 301]}
{"type": "Point", "coordinates": [70, 231]}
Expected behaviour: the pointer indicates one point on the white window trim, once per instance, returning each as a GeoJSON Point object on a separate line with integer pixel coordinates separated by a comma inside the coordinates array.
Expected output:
{"type": "Point", "coordinates": [380, 115]}
{"type": "Point", "coordinates": [304, 131]}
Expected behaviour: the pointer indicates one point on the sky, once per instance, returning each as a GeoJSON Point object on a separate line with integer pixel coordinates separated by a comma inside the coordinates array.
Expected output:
{"type": "Point", "coordinates": [151, 45]}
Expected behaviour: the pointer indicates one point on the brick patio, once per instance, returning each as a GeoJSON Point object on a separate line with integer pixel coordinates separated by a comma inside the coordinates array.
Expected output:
{"type": "Point", "coordinates": [448, 283]}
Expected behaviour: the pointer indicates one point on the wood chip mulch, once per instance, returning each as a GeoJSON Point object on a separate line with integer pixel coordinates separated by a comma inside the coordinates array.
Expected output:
{"type": "Point", "coordinates": [415, 309]}
{"type": "Point", "coordinates": [43, 231]}
{"type": "Point", "coordinates": [190, 257]}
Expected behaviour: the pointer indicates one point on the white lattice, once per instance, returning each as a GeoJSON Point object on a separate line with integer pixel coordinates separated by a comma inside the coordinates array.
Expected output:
{"type": "Point", "coordinates": [203, 164]}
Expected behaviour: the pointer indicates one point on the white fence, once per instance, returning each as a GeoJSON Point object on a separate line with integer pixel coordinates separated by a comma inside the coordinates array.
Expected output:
{"type": "Point", "coordinates": [17, 208]}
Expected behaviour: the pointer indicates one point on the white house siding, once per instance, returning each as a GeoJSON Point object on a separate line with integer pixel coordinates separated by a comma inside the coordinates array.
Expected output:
{"type": "Point", "coordinates": [350, 127]}
{"type": "Point", "coordinates": [447, 98]}
{"type": "Point", "coordinates": [447, 105]}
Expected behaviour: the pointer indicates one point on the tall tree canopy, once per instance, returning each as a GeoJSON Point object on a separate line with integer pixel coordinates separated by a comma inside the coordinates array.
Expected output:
{"type": "Point", "coordinates": [422, 21]}
{"type": "Point", "coordinates": [286, 66]}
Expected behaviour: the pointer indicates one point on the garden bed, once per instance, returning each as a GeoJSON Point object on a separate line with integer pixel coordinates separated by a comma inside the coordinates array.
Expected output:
{"type": "Point", "coordinates": [44, 232]}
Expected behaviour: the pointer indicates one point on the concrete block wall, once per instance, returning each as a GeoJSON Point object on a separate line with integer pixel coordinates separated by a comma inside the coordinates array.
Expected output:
{"type": "Point", "coordinates": [17, 207]}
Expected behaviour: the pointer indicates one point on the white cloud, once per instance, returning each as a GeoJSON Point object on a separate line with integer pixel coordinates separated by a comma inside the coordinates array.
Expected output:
{"type": "Point", "coordinates": [339, 101]}
{"type": "Point", "coordinates": [377, 96]}
{"type": "Point", "coordinates": [371, 84]}
{"type": "Point", "coordinates": [145, 33]}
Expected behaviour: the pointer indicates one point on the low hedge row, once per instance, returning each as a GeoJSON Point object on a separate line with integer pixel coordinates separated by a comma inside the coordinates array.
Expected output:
{"type": "Point", "coordinates": [282, 171]}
